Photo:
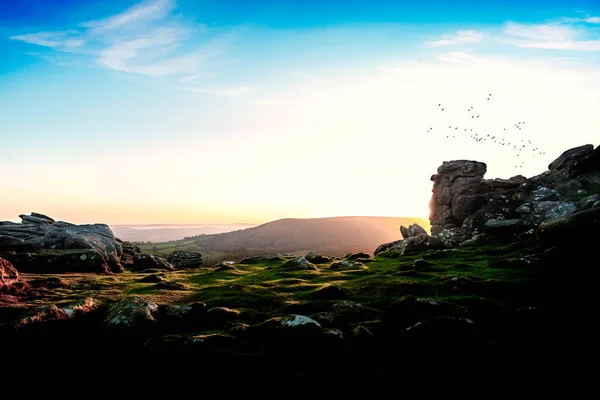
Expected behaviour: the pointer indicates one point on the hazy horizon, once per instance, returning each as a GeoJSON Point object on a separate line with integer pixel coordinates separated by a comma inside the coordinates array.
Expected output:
{"type": "Point", "coordinates": [181, 112]}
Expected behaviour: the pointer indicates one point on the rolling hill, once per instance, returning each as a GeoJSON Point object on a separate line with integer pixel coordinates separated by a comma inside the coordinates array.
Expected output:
{"type": "Point", "coordinates": [334, 236]}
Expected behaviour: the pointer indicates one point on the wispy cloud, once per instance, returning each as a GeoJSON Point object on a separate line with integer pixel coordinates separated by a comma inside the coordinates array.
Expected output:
{"type": "Point", "coordinates": [587, 20]}
{"type": "Point", "coordinates": [460, 37]}
{"type": "Point", "coordinates": [147, 11]}
{"type": "Point", "coordinates": [65, 40]}
{"type": "Point", "coordinates": [550, 36]}
{"type": "Point", "coordinates": [145, 39]}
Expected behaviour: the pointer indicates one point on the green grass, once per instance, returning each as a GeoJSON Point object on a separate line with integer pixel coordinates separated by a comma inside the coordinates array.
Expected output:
{"type": "Point", "coordinates": [262, 289]}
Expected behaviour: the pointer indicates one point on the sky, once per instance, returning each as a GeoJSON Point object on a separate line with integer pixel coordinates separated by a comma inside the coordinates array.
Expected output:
{"type": "Point", "coordinates": [217, 111]}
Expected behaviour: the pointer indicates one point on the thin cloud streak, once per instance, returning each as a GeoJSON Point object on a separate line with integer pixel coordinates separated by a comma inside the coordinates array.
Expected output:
{"type": "Point", "coordinates": [57, 39]}
{"type": "Point", "coordinates": [549, 36]}
{"type": "Point", "coordinates": [460, 37]}
{"type": "Point", "coordinates": [148, 11]}
{"type": "Point", "coordinates": [140, 40]}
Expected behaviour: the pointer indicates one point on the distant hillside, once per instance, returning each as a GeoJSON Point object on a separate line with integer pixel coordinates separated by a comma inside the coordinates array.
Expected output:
{"type": "Point", "coordinates": [335, 236]}
{"type": "Point", "coordinates": [164, 233]}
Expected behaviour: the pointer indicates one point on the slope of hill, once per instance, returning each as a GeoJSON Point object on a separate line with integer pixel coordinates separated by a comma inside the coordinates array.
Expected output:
{"type": "Point", "coordinates": [334, 236]}
{"type": "Point", "coordinates": [163, 233]}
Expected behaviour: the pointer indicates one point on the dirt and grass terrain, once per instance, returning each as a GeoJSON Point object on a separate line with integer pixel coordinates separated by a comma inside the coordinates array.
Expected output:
{"type": "Point", "coordinates": [362, 312]}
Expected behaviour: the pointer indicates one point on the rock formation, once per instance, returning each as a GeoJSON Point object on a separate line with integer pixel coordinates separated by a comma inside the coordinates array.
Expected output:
{"type": "Point", "coordinates": [465, 208]}
{"type": "Point", "coordinates": [463, 204]}
{"type": "Point", "coordinates": [42, 245]}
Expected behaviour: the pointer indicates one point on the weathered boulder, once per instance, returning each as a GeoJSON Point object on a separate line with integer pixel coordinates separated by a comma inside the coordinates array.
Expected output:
{"type": "Point", "coordinates": [386, 246]}
{"type": "Point", "coordinates": [181, 259]}
{"type": "Point", "coordinates": [144, 261]}
{"type": "Point", "coordinates": [297, 264]}
{"type": "Point", "coordinates": [38, 232]}
{"type": "Point", "coordinates": [347, 264]}
{"type": "Point", "coordinates": [9, 280]}
{"type": "Point", "coordinates": [412, 230]}
{"type": "Point", "coordinates": [421, 242]}
{"type": "Point", "coordinates": [131, 312]}
{"type": "Point", "coordinates": [357, 256]}
{"type": "Point", "coordinates": [317, 258]}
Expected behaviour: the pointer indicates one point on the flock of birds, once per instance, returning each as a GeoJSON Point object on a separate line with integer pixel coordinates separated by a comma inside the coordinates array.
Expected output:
{"type": "Point", "coordinates": [518, 144]}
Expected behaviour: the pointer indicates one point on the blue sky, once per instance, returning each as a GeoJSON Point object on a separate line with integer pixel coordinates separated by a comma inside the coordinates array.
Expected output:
{"type": "Point", "coordinates": [166, 111]}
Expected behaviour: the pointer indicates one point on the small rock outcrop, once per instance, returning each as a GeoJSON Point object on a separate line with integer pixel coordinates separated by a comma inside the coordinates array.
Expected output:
{"type": "Point", "coordinates": [181, 259]}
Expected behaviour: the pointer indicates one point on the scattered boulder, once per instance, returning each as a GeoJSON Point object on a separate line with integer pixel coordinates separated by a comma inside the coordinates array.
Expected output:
{"type": "Point", "coordinates": [357, 256]}
{"type": "Point", "coordinates": [165, 285]}
{"type": "Point", "coordinates": [420, 242]}
{"type": "Point", "coordinates": [181, 259]}
{"type": "Point", "coordinates": [317, 258]}
{"type": "Point", "coordinates": [223, 266]}
{"type": "Point", "coordinates": [131, 312]}
{"type": "Point", "coordinates": [146, 261]}
{"type": "Point", "coordinates": [347, 264]}
{"type": "Point", "coordinates": [298, 264]}
{"type": "Point", "coordinates": [153, 278]}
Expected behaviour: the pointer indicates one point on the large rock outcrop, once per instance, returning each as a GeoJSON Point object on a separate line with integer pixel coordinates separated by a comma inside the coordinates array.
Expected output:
{"type": "Point", "coordinates": [467, 209]}
{"type": "Point", "coordinates": [464, 204]}
{"type": "Point", "coordinates": [41, 244]}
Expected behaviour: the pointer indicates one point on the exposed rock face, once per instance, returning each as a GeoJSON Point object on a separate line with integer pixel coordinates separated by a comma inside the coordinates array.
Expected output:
{"type": "Point", "coordinates": [185, 259]}
{"type": "Point", "coordinates": [463, 204]}
{"type": "Point", "coordinates": [38, 232]}
{"type": "Point", "coordinates": [9, 280]}
{"type": "Point", "coordinates": [58, 261]}
{"type": "Point", "coordinates": [457, 189]}
{"type": "Point", "coordinates": [129, 252]}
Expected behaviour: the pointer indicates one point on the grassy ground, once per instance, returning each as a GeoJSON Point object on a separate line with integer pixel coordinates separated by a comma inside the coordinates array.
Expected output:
{"type": "Point", "coordinates": [264, 287]}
